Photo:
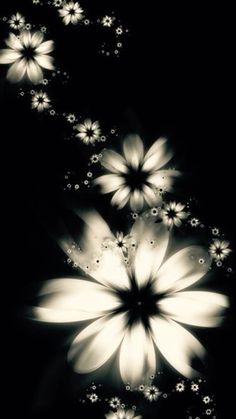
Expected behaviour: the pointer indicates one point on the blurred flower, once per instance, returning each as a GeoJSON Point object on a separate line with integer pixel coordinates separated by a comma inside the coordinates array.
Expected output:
{"type": "Point", "coordinates": [88, 131]}
{"type": "Point", "coordinates": [71, 13]}
{"type": "Point", "coordinates": [219, 250]}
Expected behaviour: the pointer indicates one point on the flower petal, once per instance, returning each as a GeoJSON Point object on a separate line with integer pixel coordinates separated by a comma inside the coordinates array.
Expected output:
{"type": "Point", "coordinates": [137, 356]}
{"type": "Point", "coordinates": [176, 344]}
{"type": "Point", "coordinates": [97, 343]}
{"type": "Point", "coordinates": [183, 269]}
{"type": "Point", "coordinates": [197, 308]}
{"type": "Point", "coordinates": [14, 42]}
{"type": "Point", "coordinates": [45, 47]}
{"type": "Point", "coordinates": [17, 70]}
{"type": "Point", "coordinates": [133, 150]}
{"type": "Point", "coordinates": [150, 197]}
{"type": "Point", "coordinates": [72, 300]}
{"type": "Point", "coordinates": [25, 38]}
{"type": "Point", "coordinates": [45, 61]}
{"type": "Point", "coordinates": [37, 39]}
{"type": "Point", "coordinates": [136, 201]}
{"type": "Point", "coordinates": [34, 72]}
{"type": "Point", "coordinates": [109, 183]}
{"type": "Point", "coordinates": [121, 197]}
{"type": "Point", "coordinates": [113, 162]}
{"type": "Point", "coordinates": [163, 179]}
{"type": "Point", "coordinates": [8, 56]}
{"type": "Point", "coordinates": [157, 156]}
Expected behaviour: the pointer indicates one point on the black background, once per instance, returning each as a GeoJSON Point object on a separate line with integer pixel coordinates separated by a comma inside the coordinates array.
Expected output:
{"type": "Point", "coordinates": [175, 77]}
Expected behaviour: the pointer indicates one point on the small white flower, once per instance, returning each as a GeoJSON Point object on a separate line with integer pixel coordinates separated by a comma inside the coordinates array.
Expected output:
{"type": "Point", "coordinates": [215, 231]}
{"type": "Point", "coordinates": [122, 414]}
{"type": "Point", "coordinates": [71, 13]}
{"type": "Point", "coordinates": [151, 393]}
{"type": "Point", "coordinates": [206, 399]}
{"type": "Point", "coordinates": [93, 398]}
{"type": "Point", "coordinates": [173, 214]}
{"type": "Point", "coordinates": [107, 21]}
{"type": "Point", "coordinates": [27, 54]}
{"type": "Point", "coordinates": [57, 3]}
{"type": "Point", "coordinates": [71, 118]}
{"type": "Point", "coordinates": [119, 30]}
{"type": "Point", "coordinates": [40, 101]}
{"type": "Point", "coordinates": [194, 387]}
{"type": "Point", "coordinates": [219, 250]}
{"type": "Point", "coordinates": [16, 21]}
{"type": "Point", "coordinates": [94, 158]}
{"type": "Point", "coordinates": [121, 241]}
{"type": "Point", "coordinates": [36, 1]}
{"type": "Point", "coordinates": [88, 131]}
{"type": "Point", "coordinates": [114, 402]}
{"type": "Point", "coordinates": [180, 387]}
{"type": "Point", "coordinates": [208, 412]}
{"type": "Point", "coordinates": [194, 222]}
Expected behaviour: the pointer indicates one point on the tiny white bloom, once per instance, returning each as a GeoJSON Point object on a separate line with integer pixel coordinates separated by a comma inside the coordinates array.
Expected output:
{"type": "Point", "coordinates": [194, 222]}
{"type": "Point", "coordinates": [173, 214]}
{"type": "Point", "coordinates": [114, 402]}
{"type": "Point", "coordinates": [27, 54]}
{"type": "Point", "coordinates": [40, 101]}
{"type": "Point", "coordinates": [151, 393]}
{"type": "Point", "coordinates": [206, 399]}
{"type": "Point", "coordinates": [194, 387]}
{"type": "Point", "coordinates": [180, 387]}
{"type": "Point", "coordinates": [16, 21]}
{"type": "Point", "coordinates": [71, 118]}
{"type": "Point", "coordinates": [88, 131]}
{"type": "Point", "coordinates": [219, 250]}
{"type": "Point", "coordinates": [93, 398]}
{"type": "Point", "coordinates": [122, 414]}
{"type": "Point", "coordinates": [57, 3]}
{"type": "Point", "coordinates": [107, 21]}
{"type": "Point", "coordinates": [71, 12]}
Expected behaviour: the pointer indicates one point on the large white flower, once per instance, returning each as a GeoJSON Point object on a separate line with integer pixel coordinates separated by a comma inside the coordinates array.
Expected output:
{"type": "Point", "coordinates": [88, 131]}
{"type": "Point", "coordinates": [136, 303]}
{"type": "Point", "coordinates": [27, 54]}
{"type": "Point", "coordinates": [136, 177]}
{"type": "Point", "coordinates": [71, 13]}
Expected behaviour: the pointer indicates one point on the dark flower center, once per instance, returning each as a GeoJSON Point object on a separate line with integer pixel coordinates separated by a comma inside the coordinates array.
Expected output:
{"type": "Point", "coordinates": [136, 178]}
{"type": "Point", "coordinates": [29, 53]}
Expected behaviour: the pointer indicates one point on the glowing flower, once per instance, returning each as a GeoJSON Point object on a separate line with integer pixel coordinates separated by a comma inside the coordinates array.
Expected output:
{"type": "Point", "coordinates": [88, 131]}
{"type": "Point", "coordinates": [194, 387]}
{"type": "Point", "coordinates": [107, 21]}
{"type": "Point", "coordinates": [136, 177]}
{"type": "Point", "coordinates": [71, 13]}
{"type": "Point", "coordinates": [121, 241]}
{"type": "Point", "coordinates": [151, 393]}
{"type": "Point", "coordinates": [57, 3]}
{"type": "Point", "coordinates": [27, 54]}
{"type": "Point", "coordinates": [173, 214]}
{"type": "Point", "coordinates": [16, 21]}
{"type": "Point", "coordinates": [114, 402]}
{"type": "Point", "coordinates": [122, 414]}
{"type": "Point", "coordinates": [194, 222]}
{"type": "Point", "coordinates": [219, 250]}
{"type": "Point", "coordinates": [135, 306]}
{"type": "Point", "coordinates": [180, 387]}
{"type": "Point", "coordinates": [206, 399]}
{"type": "Point", "coordinates": [40, 101]}
{"type": "Point", "coordinates": [93, 397]}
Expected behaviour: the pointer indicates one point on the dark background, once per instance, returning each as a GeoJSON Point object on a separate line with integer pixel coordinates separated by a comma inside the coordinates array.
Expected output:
{"type": "Point", "coordinates": [175, 77]}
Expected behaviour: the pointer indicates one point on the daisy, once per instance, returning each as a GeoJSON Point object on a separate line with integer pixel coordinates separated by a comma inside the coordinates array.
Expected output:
{"type": "Point", "coordinates": [71, 13]}
{"type": "Point", "coordinates": [122, 414]}
{"type": "Point", "coordinates": [151, 393]}
{"type": "Point", "coordinates": [180, 387]}
{"type": "Point", "coordinates": [132, 308]}
{"type": "Point", "coordinates": [40, 101]}
{"type": "Point", "coordinates": [71, 118]}
{"type": "Point", "coordinates": [93, 398]}
{"type": "Point", "coordinates": [114, 402]}
{"type": "Point", "coordinates": [173, 214]}
{"type": "Point", "coordinates": [57, 3]}
{"type": "Point", "coordinates": [27, 54]}
{"type": "Point", "coordinates": [194, 222]}
{"type": "Point", "coordinates": [219, 250]}
{"type": "Point", "coordinates": [107, 21]}
{"type": "Point", "coordinates": [121, 241]}
{"type": "Point", "coordinates": [135, 176]}
{"type": "Point", "coordinates": [206, 399]}
{"type": "Point", "coordinates": [88, 131]}
{"type": "Point", "coordinates": [194, 387]}
{"type": "Point", "coordinates": [16, 21]}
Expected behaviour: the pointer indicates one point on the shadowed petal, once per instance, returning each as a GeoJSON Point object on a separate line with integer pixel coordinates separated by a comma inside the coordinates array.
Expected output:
{"type": "Point", "coordinates": [113, 162]}
{"type": "Point", "coordinates": [8, 56]}
{"type": "Point", "coordinates": [17, 70]}
{"type": "Point", "coordinates": [133, 150]}
{"type": "Point", "coordinates": [109, 183]}
{"type": "Point", "coordinates": [157, 155]}
{"type": "Point", "coordinates": [45, 61]}
{"type": "Point", "coordinates": [45, 47]}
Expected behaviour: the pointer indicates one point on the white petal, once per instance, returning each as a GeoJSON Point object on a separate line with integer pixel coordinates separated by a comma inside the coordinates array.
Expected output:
{"type": "Point", "coordinates": [121, 197]}
{"type": "Point", "coordinates": [17, 70]}
{"type": "Point", "coordinates": [163, 179]}
{"type": "Point", "coordinates": [45, 47]}
{"type": "Point", "coordinates": [176, 344]}
{"type": "Point", "coordinates": [97, 343]}
{"type": "Point", "coordinates": [137, 356]}
{"type": "Point", "coordinates": [8, 56]}
{"type": "Point", "coordinates": [109, 183]}
{"type": "Point", "coordinates": [113, 162]}
{"type": "Point", "coordinates": [150, 251]}
{"type": "Point", "coordinates": [71, 300]}
{"type": "Point", "coordinates": [37, 39]}
{"type": "Point", "coordinates": [67, 19]}
{"type": "Point", "coordinates": [45, 61]}
{"type": "Point", "coordinates": [133, 150]}
{"type": "Point", "coordinates": [34, 72]}
{"type": "Point", "coordinates": [25, 38]}
{"type": "Point", "coordinates": [136, 200]}
{"type": "Point", "coordinates": [157, 156]}
{"type": "Point", "coordinates": [14, 42]}
{"type": "Point", "coordinates": [183, 269]}
{"type": "Point", "coordinates": [150, 197]}
{"type": "Point", "coordinates": [197, 308]}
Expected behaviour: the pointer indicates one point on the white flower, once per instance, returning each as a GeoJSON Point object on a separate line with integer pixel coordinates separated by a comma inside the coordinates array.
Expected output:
{"type": "Point", "coordinates": [136, 176]}
{"type": "Point", "coordinates": [208, 412]}
{"type": "Point", "coordinates": [121, 241]}
{"type": "Point", "coordinates": [206, 399]}
{"type": "Point", "coordinates": [122, 414]}
{"type": "Point", "coordinates": [132, 308]}
{"type": "Point", "coordinates": [194, 222]}
{"type": "Point", "coordinates": [219, 250]}
{"type": "Point", "coordinates": [40, 101]}
{"type": "Point", "coordinates": [151, 393]}
{"type": "Point", "coordinates": [71, 13]}
{"type": "Point", "coordinates": [180, 387]}
{"type": "Point", "coordinates": [16, 21]}
{"type": "Point", "coordinates": [57, 3]}
{"type": "Point", "coordinates": [88, 131]}
{"type": "Point", "coordinates": [119, 30]}
{"type": "Point", "coordinates": [114, 402]}
{"type": "Point", "coordinates": [93, 398]}
{"type": "Point", "coordinates": [27, 54]}
{"type": "Point", "coordinates": [71, 118]}
{"type": "Point", "coordinates": [173, 214]}
{"type": "Point", "coordinates": [107, 21]}
{"type": "Point", "coordinates": [194, 387]}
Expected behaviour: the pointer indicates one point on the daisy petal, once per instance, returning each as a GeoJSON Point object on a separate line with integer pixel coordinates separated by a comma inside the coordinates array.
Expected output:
{"type": "Point", "coordinates": [157, 156]}
{"type": "Point", "coordinates": [163, 179]}
{"type": "Point", "coordinates": [37, 39]}
{"type": "Point", "coordinates": [25, 38]}
{"type": "Point", "coordinates": [45, 61]}
{"type": "Point", "coordinates": [17, 71]}
{"type": "Point", "coordinates": [72, 300]}
{"type": "Point", "coordinates": [197, 308]}
{"type": "Point", "coordinates": [183, 269]}
{"type": "Point", "coordinates": [109, 183]}
{"type": "Point", "coordinates": [176, 344]}
{"type": "Point", "coordinates": [121, 197]}
{"type": "Point", "coordinates": [97, 343]}
{"type": "Point", "coordinates": [8, 56]}
{"type": "Point", "coordinates": [45, 47]}
{"type": "Point", "coordinates": [136, 201]}
{"type": "Point", "coordinates": [137, 356]}
{"type": "Point", "coordinates": [133, 150]}
{"type": "Point", "coordinates": [34, 72]}
{"type": "Point", "coordinates": [113, 162]}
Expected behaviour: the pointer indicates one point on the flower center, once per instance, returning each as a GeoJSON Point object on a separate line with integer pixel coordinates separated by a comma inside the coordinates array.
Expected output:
{"type": "Point", "coordinates": [136, 178]}
{"type": "Point", "coordinates": [29, 53]}
{"type": "Point", "coordinates": [171, 213]}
